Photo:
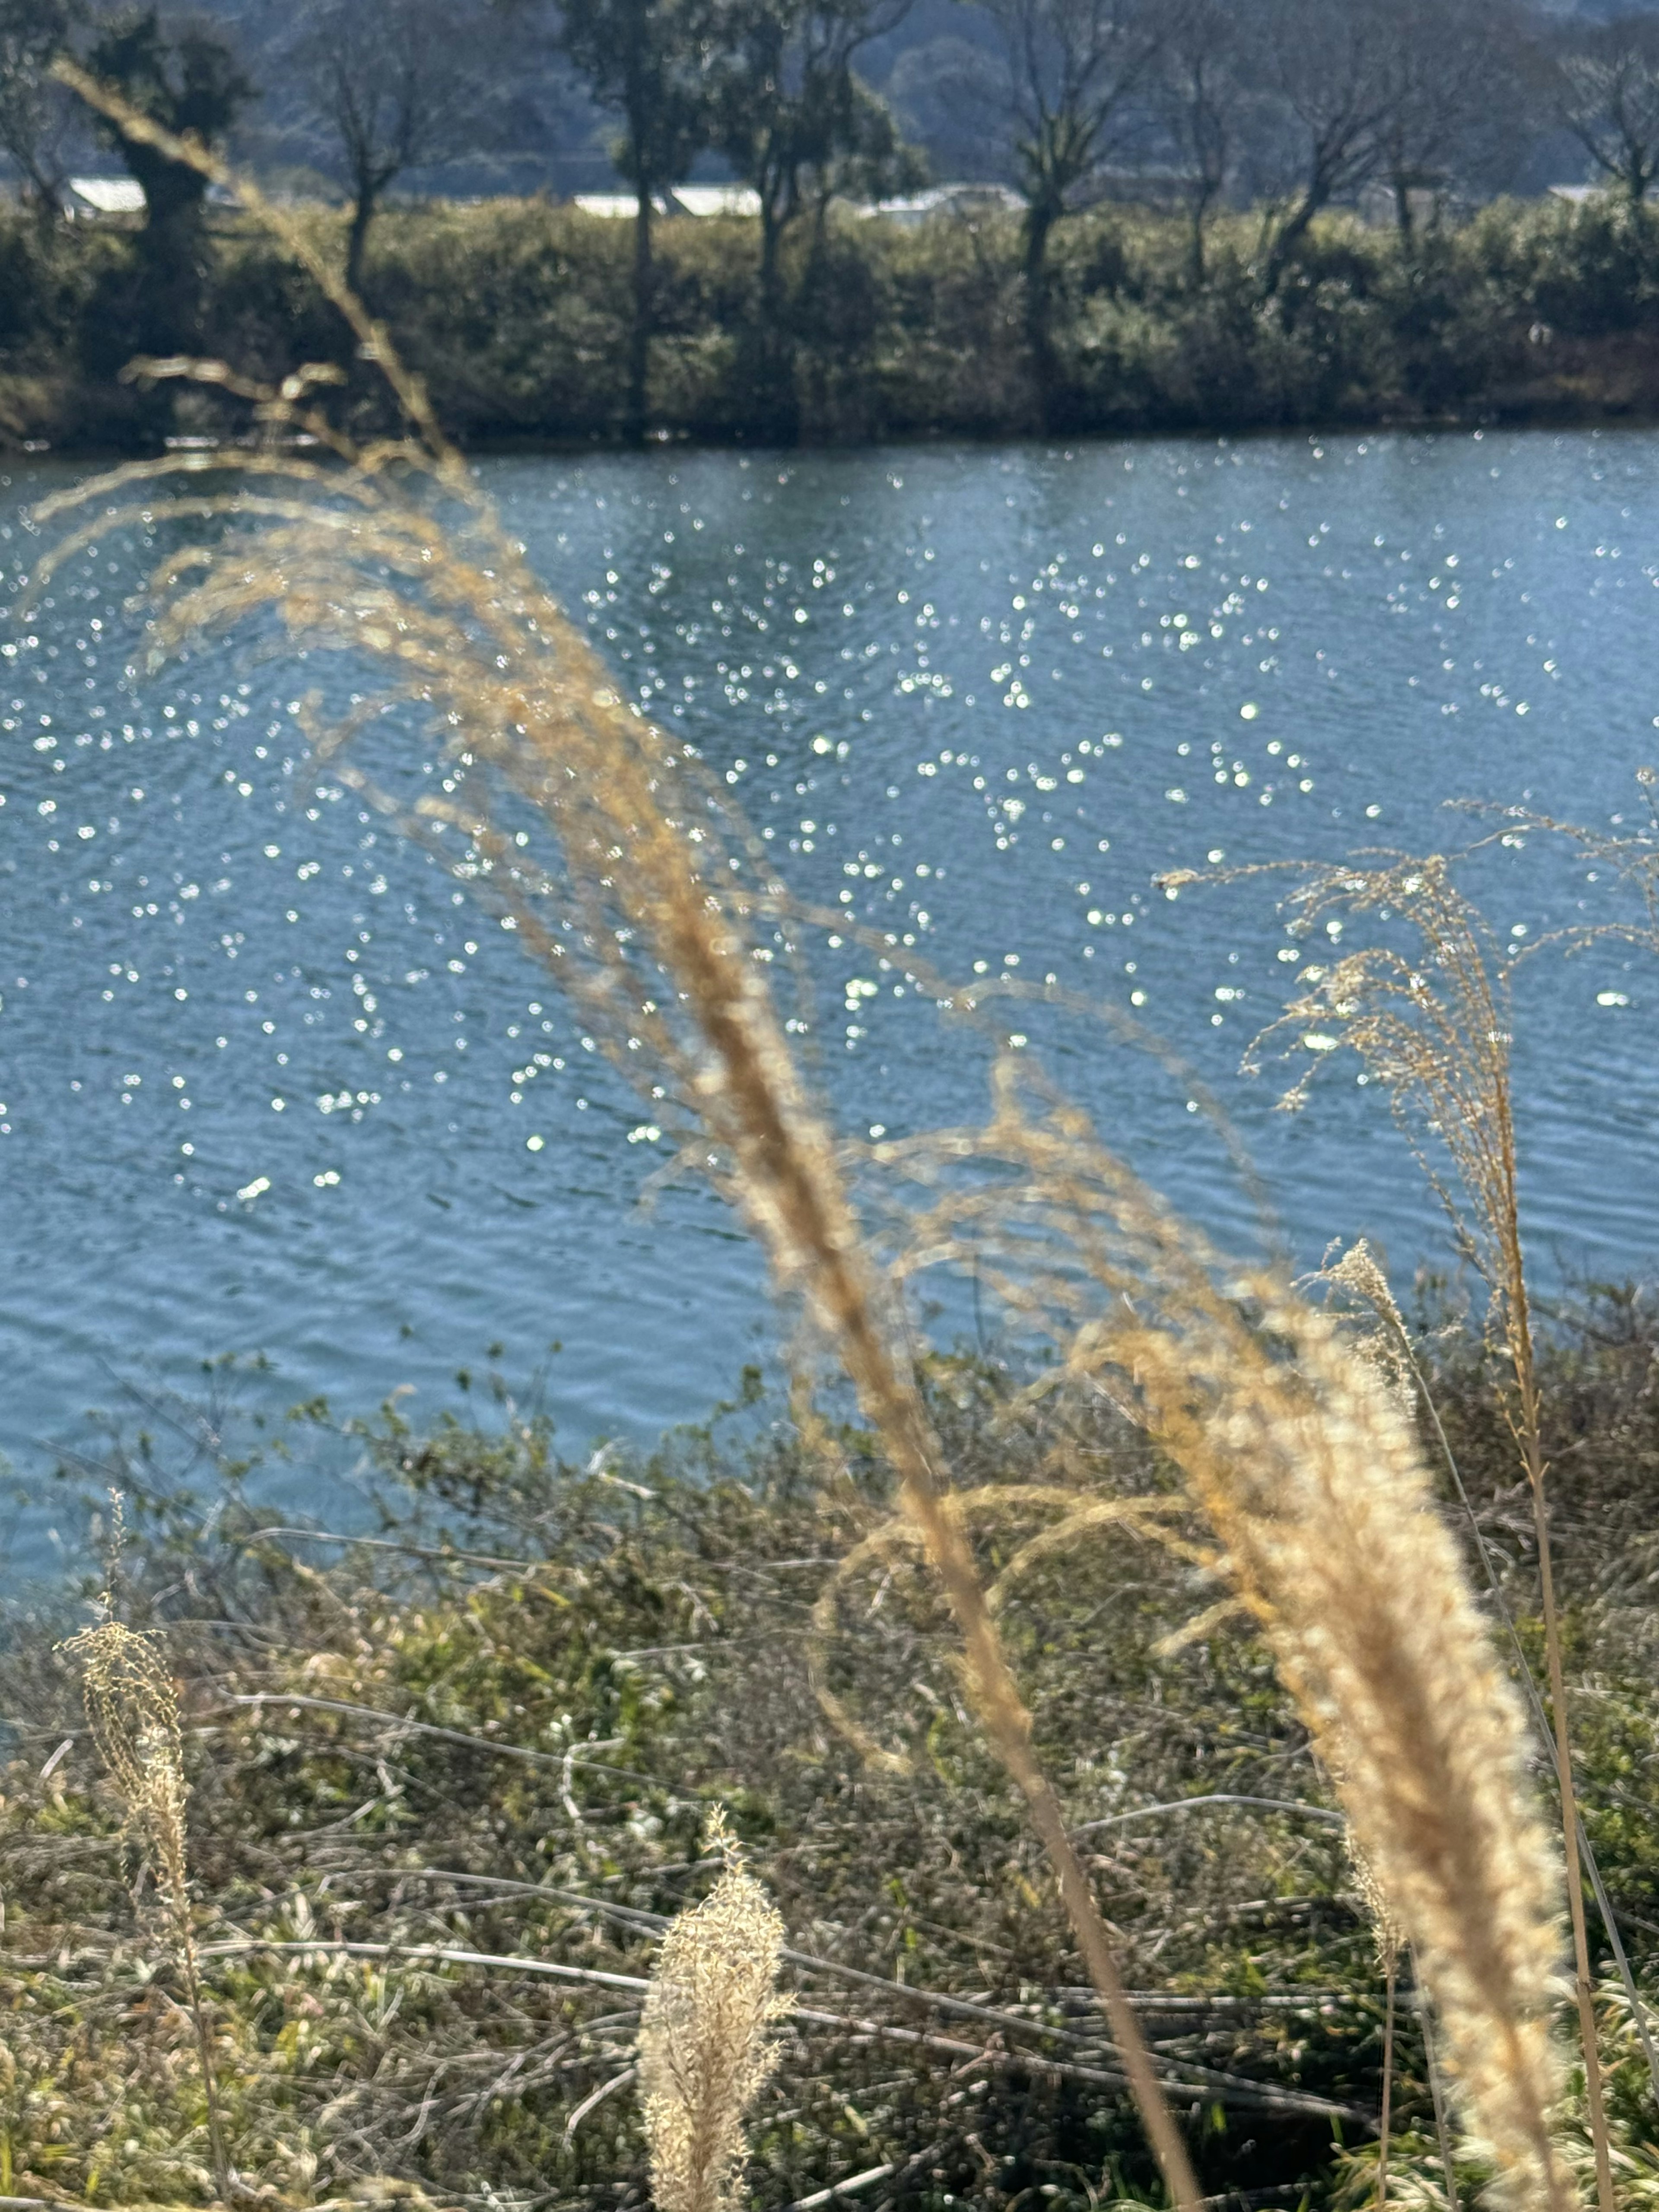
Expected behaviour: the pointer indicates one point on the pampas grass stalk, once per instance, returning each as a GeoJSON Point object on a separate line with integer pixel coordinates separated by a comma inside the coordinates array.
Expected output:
{"type": "Point", "coordinates": [644, 909]}
{"type": "Point", "coordinates": [1311, 1477]}
{"type": "Point", "coordinates": [1433, 1027]}
{"type": "Point", "coordinates": [132, 1709]}
{"type": "Point", "coordinates": [705, 2052]}
{"type": "Point", "coordinates": [1306, 1464]}
{"type": "Point", "coordinates": [1359, 1273]}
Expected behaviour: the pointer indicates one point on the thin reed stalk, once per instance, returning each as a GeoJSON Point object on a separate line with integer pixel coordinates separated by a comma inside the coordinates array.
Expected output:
{"type": "Point", "coordinates": [1389, 1939]}
{"type": "Point", "coordinates": [1436, 2091]}
{"type": "Point", "coordinates": [644, 907]}
{"type": "Point", "coordinates": [1385, 2128]}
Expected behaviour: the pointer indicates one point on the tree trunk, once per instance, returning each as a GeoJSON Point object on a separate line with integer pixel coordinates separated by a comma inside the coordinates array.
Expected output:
{"type": "Point", "coordinates": [363, 214]}
{"type": "Point", "coordinates": [778, 413]}
{"type": "Point", "coordinates": [639, 336]}
{"type": "Point", "coordinates": [1040, 218]}
{"type": "Point", "coordinates": [1196, 268]}
{"type": "Point", "coordinates": [44, 194]}
{"type": "Point", "coordinates": [1402, 206]}
{"type": "Point", "coordinates": [1289, 235]}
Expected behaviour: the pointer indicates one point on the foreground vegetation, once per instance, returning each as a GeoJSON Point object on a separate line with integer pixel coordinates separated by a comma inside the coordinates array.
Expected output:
{"type": "Point", "coordinates": [518, 315]}
{"type": "Point", "coordinates": [497, 1730]}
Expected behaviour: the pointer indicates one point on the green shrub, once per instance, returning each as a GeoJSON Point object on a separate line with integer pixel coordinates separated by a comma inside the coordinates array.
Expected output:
{"type": "Point", "coordinates": [516, 313]}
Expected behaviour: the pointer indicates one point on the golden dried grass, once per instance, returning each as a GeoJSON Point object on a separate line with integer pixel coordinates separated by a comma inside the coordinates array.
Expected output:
{"type": "Point", "coordinates": [1431, 1020]}
{"type": "Point", "coordinates": [621, 866]}
{"type": "Point", "coordinates": [1306, 1464]}
{"type": "Point", "coordinates": [705, 2051]}
{"type": "Point", "coordinates": [132, 1709]}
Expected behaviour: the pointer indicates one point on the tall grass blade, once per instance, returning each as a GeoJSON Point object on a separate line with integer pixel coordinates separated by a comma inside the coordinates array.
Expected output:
{"type": "Point", "coordinates": [1432, 1024]}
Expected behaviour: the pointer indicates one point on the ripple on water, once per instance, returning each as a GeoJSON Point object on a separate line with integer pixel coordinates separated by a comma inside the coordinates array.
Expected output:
{"type": "Point", "coordinates": [267, 1081]}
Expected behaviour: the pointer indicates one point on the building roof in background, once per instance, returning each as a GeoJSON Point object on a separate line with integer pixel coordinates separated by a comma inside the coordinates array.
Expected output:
{"type": "Point", "coordinates": [961, 199]}
{"type": "Point", "coordinates": [716, 200]}
{"type": "Point", "coordinates": [107, 195]}
{"type": "Point", "coordinates": [684, 199]}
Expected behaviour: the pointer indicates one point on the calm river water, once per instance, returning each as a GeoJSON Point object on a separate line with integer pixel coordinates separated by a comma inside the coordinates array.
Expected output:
{"type": "Point", "coordinates": [268, 1086]}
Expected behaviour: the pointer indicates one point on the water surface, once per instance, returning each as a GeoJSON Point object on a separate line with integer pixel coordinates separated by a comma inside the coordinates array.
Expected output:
{"type": "Point", "coordinates": [267, 1083]}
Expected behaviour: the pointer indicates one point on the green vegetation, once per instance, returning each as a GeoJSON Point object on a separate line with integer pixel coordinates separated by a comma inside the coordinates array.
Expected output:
{"type": "Point", "coordinates": [519, 314]}
{"type": "Point", "coordinates": [651, 1654]}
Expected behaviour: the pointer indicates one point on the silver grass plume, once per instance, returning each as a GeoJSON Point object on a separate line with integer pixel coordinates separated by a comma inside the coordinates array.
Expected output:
{"type": "Point", "coordinates": [640, 887]}
{"type": "Point", "coordinates": [1311, 1476]}
{"type": "Point", "coordinates": [132, 1709]}
{"type": "Point", "coordinates": [706, 2050]}
{"type": "Point", "coordinates": [1308, 1468]}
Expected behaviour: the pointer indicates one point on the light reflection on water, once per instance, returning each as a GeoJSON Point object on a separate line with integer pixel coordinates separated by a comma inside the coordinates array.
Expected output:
{"type": "Point", "coordinates": [268, 1082]}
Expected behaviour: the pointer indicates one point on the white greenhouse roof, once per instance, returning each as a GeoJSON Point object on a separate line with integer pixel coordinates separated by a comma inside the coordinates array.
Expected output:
{"type": "Point", "coordinates": [109, 195]}
{"type": "Point", "coordinates": [686, 199]}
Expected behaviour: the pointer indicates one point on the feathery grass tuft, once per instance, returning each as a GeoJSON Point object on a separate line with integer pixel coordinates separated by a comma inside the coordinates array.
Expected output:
{"type": "Point", "coordinates": [1312, 1477]}
{"type": "Point", "coordinates": [1432, 1024]}
{"type": "Point", "coordinates": [705, 2053]}
{"type": "Point", "coordinates": [132, 1709]}
{"type": "Point", "coordinates": [1306, 1465]}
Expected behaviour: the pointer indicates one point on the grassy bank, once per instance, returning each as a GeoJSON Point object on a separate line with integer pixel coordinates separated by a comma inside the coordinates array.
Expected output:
{"type": "Point", "coordinates": [517, 315]}
{"type": "Point", "coordinates": [496, 1733]}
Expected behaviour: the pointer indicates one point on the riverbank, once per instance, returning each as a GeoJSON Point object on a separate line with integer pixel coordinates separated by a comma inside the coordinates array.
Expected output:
{"type": "Point", "coordinates": [517, 313]}
{"type": "Point", "coordinates": [446, 1783]}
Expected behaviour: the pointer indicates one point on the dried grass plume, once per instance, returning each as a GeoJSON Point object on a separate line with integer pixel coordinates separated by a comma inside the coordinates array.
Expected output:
{"type": "Point", "coordinates": [1311, 1474]}
{"type": "Point", "coordinates": [705, 2048]}
{"type": "Point", "coordinates": [132, 1709]}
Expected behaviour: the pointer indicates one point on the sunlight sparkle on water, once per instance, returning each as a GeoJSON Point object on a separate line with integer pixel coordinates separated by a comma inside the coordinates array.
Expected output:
{"type": "Point", "coordinates": [271, 1080]}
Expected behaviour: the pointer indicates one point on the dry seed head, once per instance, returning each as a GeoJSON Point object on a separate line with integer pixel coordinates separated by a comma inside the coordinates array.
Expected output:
{"type": "Point", "coordinates": [1308, 1470]}
{"type": "Point", "coordinates": [1433, 1025]}
{"type": "Point", "coordinates": [132, 1709]}
{"type": "Point", "coordinates": [1358, 1271]}
{"type": "Point", "coordinates": [1312, 1477]}
{"type": "Point", "coordinates": [705, 2048]}
{"type": "Point", "coordinates": [1377, 1332]}
{"type": "Point", "coordinates": [1388, 1935]}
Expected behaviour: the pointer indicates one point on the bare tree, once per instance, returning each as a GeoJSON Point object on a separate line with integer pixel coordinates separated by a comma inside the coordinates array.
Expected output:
{"type": "Point", "coordinates": [647, 61]}
{"type": "Point", "coordinates": [1200, 103]}
{"type": "Point", "coordinates": [1451, 91]}
{"type": "Point", "coordinates": [1073, 67]}
{"type": "Point", "coordinates": [1325, 66]}
{"type": "Point", "coordinates": [185, 78]}
{"type": "Point", "coordinates": [36, 113]}
{"type": "Point", "coordinates": [1609, 98]}
{"type": "Point", "coordinates": [397, 84]}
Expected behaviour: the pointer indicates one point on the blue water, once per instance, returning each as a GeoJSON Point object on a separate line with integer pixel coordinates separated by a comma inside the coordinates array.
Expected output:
{"type": "Point", "coordinates": [269, 1084]}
